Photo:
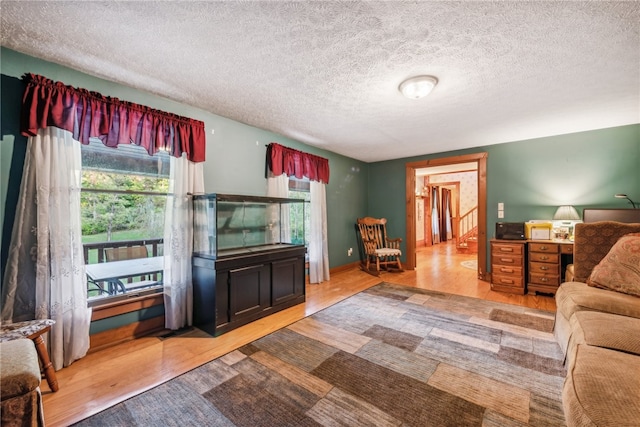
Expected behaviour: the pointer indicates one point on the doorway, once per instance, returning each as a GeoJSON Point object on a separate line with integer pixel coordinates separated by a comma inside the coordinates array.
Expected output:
{"type": "Point", "coordinates": [410, 180]}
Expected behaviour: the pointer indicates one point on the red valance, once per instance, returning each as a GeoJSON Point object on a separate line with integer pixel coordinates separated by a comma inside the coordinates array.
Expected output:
{"type": "Point", "coordinates": [296, 163]}
{"type": "Point", "coordinates": [91, 115]}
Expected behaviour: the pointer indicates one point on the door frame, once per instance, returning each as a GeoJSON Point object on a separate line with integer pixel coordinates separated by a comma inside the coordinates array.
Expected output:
{"type": "Point", "coordinates": [410, 183]}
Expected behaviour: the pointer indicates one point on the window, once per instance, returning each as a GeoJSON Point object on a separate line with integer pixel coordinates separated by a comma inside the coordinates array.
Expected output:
{"type": "Point", "coordinates": [300, 215]}
{"type": "Point", "coordinates": [124, 192]}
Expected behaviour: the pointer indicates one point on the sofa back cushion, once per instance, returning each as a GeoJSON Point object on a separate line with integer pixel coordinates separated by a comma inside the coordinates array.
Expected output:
{"type": "Point", "coordinates": [619, 270]}
{"type": "Point", "coordinates": [593, 241]}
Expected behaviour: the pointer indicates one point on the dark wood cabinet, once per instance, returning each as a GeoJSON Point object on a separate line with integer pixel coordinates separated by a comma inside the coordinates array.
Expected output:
{"type": "Point", "coordinates": [233, 290]}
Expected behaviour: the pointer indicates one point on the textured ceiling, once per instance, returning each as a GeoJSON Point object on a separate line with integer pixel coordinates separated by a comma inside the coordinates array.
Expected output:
{"type": "Point", "coordinates": [327, 73]}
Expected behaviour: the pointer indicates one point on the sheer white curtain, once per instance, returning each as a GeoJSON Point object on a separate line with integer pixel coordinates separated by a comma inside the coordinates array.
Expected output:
{"type": "Point", "coordinates": [278, 186]}
{"type": "Point", "coordinates": [45, 276]}
{"type": "Point", "coordinates": [318, 241]}
{"type": "Point", "coordinates": [186, 178]}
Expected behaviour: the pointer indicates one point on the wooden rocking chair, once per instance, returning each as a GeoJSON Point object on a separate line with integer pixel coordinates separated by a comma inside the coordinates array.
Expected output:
{"type": "Point", "coordinates": [379, 249]}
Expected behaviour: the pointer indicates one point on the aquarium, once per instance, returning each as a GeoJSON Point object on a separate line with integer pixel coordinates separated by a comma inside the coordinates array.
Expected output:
{"type": "Point", "coordinates": [233, 224]}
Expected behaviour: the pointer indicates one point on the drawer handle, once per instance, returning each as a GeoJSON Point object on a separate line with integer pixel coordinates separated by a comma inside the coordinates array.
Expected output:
{"type": "Point", "coordinates": [506, 249]}
{"type": "Point", "coordinates": [544, 279]}
{"type": "Point", "coordinates": [506, 281]}
{"type": "Point", "coordinates": [506, 270]}
{"type": "Point", "coordinates": [544, 268]}
{"type": "Point", "coordinates": [506, 259]}
{"type": "Point", "coordinates": [544, 248]}
{"type": "Point", "coordinates": [544, 258]}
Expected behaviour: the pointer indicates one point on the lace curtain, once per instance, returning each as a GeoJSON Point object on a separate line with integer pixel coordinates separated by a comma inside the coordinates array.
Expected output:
{"type": "Point", "coordinates": [186, 178]}
{"type": "Point", "coordinates": [319, 243]}
{"type": "Point", "coordinates": [45, 275]}
{"type": "Point", "coordinates": [278, 186]}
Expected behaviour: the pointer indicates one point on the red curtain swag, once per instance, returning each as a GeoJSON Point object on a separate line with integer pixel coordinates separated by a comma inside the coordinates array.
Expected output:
{"type": "Point", "coordinates": [296, 163]}
{"type": "Point", "coordinates": [89, 114]}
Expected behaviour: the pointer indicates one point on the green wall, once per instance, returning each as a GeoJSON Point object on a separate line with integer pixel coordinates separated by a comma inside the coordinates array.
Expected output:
{"type": "Point", "coordinates": [235, 152]}
{"type": "Point", "coordinates": [532, 177]}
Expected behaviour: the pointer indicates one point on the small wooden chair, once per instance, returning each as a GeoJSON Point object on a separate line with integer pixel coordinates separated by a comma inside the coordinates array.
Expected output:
{"type": "Point", "coordinates": [378, 247]}
{"type": "Point", "coordinates": [128, 252]}
{"type": "Point", "coordinates": [131, 252]}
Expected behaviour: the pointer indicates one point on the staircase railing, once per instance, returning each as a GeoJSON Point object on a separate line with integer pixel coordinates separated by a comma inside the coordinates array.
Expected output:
{"type": "Point", "coordinates": [468, 226]}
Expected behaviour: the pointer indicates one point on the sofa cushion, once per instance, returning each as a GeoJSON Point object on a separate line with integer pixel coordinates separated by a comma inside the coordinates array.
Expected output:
{"type": "Point", "coordinates": [572, 297]}
{"type": "Point", "coordinates": [599, 390]}
{"type": "Point", "coordinates": [619, 270]}
{"type": "Point", "coordinates": [604, 330]}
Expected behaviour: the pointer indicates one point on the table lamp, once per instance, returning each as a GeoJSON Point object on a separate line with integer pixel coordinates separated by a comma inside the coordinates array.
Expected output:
{"type": "Point", "coordinates": [567, 216]}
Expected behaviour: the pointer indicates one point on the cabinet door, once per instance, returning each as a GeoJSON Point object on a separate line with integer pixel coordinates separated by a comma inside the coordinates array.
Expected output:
{"type": "Point", "coordinates": [248, 290]}
{"type": "Point", "coordinates": [287, 279]}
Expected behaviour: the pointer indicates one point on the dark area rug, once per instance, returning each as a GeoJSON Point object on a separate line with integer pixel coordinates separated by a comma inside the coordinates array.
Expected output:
{"type": "Point", "coordinates": [392, 355]}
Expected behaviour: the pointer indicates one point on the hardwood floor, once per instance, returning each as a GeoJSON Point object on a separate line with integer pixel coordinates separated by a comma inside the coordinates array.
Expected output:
{"type": "Point", "coordinates": [109, 376]}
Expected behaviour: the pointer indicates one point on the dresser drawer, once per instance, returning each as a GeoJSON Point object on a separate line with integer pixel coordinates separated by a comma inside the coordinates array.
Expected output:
{"type": "Point", "coordinates": [543, 257]}
{"type": "Point", "coordinates": [544, 247]}
{"type": "Point", "coordinates": [566, 249]}
{"type": "Point", "coordinates": [507, 270]}
{"type": "Point", "coordinates": [544, 279]}
{"type": "Point", "coordinates": [510, 281]}
{"type": "Point", "coordinates": [506, 248]}
{"type": "Point", "coordinates": [544, 268]}
{"type": "Point", "coordinates": [507, 260]}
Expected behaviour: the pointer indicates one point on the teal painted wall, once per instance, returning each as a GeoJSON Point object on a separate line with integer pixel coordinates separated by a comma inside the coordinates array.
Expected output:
{"type": "Point", "coordinates": [235, 152]}
{"type": "Point", "coordinates": [532, 177]}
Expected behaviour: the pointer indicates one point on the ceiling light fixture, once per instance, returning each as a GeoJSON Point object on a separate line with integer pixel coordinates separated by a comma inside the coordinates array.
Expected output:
{"type": "Point", "coordinates": [418, 87]}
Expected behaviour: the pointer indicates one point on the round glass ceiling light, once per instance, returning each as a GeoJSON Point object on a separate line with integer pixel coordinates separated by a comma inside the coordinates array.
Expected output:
{"type": "Point", "coordinates": [417, 87]}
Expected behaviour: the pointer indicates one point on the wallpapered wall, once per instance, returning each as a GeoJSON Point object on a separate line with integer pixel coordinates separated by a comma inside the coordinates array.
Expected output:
{"type": "Point", "coordinates": [468, 187]}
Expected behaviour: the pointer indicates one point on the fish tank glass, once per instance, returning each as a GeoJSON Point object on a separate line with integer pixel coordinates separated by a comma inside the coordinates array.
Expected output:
{"type": "Point", "coordinates": [233, 224]}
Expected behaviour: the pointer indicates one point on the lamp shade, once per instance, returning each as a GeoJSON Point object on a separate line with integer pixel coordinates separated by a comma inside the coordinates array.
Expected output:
{"type": "Point", "coordinates": [566, 213]}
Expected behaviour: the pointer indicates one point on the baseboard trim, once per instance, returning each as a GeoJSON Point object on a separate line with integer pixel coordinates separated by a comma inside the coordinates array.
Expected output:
{"type": "Point", "coordinates": [345, 267]}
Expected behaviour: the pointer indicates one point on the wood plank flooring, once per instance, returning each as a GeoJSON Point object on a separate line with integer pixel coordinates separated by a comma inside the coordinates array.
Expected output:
{"type": "Point", "coordinates": [109, 376]}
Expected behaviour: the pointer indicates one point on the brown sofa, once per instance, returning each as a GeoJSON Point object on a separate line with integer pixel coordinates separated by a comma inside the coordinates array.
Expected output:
{"type": "Point", "coordinates": [599, 332]}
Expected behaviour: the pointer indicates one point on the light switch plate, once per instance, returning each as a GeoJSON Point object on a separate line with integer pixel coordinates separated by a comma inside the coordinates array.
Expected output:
{"type": "Point", "coordinates": [500, 214]}
{"type": "Point", "coordinates": [500, 206]}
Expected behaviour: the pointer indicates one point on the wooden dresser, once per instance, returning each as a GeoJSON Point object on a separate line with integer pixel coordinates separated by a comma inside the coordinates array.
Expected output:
{"type": "Point", "coordinates": [508, 266]}
{"type": "Point", "coordinates": [521, 266]}
{"type": "Point", "coordinates": [545, 265]}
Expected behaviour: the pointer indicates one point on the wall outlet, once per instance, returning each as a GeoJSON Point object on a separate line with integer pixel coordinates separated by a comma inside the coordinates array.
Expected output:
{"type": "Point", "coordinates": [350, 251]}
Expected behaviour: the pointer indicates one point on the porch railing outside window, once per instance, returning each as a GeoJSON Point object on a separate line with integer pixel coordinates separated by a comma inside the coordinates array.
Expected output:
{"type": "Point", "coordinates": [122, 282]}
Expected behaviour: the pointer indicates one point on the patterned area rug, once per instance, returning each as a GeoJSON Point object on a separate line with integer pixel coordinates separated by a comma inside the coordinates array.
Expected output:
{"type": "Point", "coordinates": [388, 356]}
